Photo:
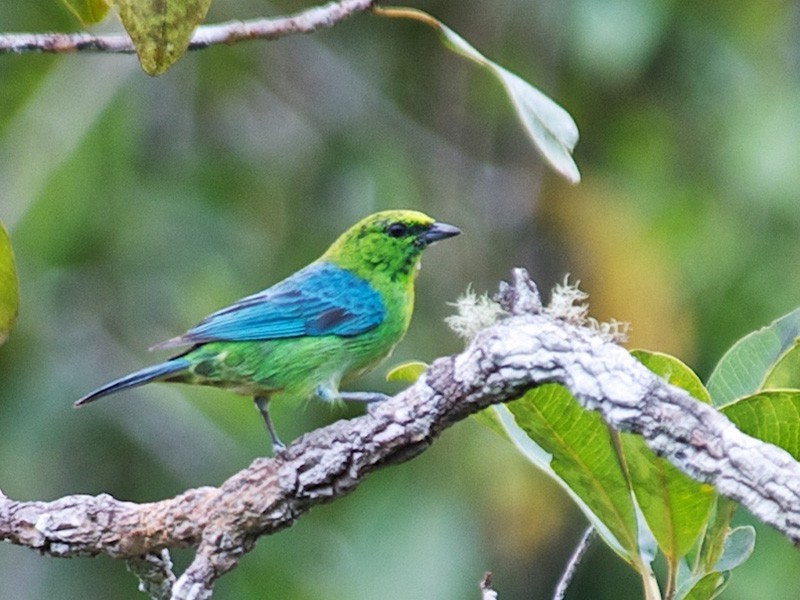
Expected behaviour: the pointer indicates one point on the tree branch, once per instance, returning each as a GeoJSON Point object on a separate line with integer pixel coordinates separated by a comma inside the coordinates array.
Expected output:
{"type": "Point", "coordinates": [204, 36]}
{"type": "Point", "coordinates": [574, 561]}
{"type": "Point", "coordinates": [527, 349]}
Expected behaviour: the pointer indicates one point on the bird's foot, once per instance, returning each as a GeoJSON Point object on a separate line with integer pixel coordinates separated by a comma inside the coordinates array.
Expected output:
{"type": "Point", "coordinates": [277, 445]}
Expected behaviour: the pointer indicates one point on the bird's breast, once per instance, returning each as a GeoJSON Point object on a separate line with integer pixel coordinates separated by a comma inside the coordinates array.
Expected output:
{"type": "Point", "coordinates": [376, 344]}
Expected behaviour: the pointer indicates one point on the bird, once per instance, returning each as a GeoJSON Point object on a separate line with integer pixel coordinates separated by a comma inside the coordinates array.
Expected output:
{"type": "Point", "coordinates": [326, 324]}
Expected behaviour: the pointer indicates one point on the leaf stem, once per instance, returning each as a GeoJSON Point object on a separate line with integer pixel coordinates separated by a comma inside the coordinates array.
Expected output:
{"type": "Point", "coordinates": [651, 591]}
{"type": "Point", "coordinates": [404, 12]}
{"type": "Point", "coordinates": [672, 574]}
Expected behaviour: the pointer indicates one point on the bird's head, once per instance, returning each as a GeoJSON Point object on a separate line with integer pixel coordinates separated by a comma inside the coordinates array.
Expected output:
{"type": "Point", "coordinates": [388, 242]}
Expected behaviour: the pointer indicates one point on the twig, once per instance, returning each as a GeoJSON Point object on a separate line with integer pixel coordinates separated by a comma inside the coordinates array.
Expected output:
{"type": "Point", "coordinates": [204, 36]}
{"type": "Point", "coordinates": [487, 593]}
{"type": "Point", "coordinates": [527, 349]}
{"type": "Point", "coordinates": [574, 561]}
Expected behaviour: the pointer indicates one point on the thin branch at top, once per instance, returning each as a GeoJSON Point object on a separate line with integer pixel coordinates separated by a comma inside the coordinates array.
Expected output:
{"type": "Point", "coordinates": [204, 36]}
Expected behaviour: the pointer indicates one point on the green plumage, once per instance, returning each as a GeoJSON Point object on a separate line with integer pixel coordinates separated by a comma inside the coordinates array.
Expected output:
{"type": "Point", "coordinates": [330, 322]}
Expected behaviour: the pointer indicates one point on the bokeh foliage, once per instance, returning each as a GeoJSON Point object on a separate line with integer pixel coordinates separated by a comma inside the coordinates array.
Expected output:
{"type": "Point", "coordinates": [137, 206]}
{"type": "Point", "coordinates": [9, 286]}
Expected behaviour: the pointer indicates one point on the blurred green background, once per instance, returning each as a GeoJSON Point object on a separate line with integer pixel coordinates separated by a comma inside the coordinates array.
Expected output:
{"type": "Point", "coordinates": [137, 206]}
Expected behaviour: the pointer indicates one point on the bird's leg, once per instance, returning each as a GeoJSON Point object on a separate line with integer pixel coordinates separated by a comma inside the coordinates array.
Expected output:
{"type": "Point", "coordinates": [365, 397]}
{"type": "Point", "coordinates": [261, 404]}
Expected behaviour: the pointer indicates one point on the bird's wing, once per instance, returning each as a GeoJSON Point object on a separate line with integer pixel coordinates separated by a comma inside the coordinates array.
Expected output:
{"type": "Point", "coordinates": [321, 299]}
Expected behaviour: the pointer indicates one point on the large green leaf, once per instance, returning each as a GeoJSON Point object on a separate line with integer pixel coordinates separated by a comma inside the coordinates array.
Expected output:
{"type": "Point", "coordinates": [550, 127]}
{"type": "Point", "coordinates": [772, 416]}
{"type": "Point", "coordinates": [785, 374]}
{"type": "Point", "coordinates": [9, 288]}
{"type": "Point", "coordinates": [160, 29]}
{"type": "Point", "coordinates": [744, 368]}
{"type": "Point", "coordinates": [88, 12]}
{"type": "Point", "coordinates": [675, 506]}
{"type": "Point", "coordinates": [575, 445]}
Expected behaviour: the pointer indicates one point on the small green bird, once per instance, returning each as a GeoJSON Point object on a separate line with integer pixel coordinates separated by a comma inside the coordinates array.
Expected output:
{"type": "Point", "coordinates": [332, 321]}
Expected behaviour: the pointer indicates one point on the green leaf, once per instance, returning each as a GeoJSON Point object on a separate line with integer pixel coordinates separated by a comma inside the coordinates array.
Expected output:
{"type": "Point", "coordinates": [160, 29]}
{"type": "Point", "coordinates": [738, 547]}
{"type": "Point", "coordinates": [772, 416]}
{"type": "Point", "coordinates": [675, 506]}
{"type": "Point", "coordinates": [706, 588]}
{"type": "Point", "coordinates": [575, 446]}
{"type": "Point", "coordinates": [542, 460]}
{"type": "Point", "coordinates": [785, 374]}
{"type": "Point", "coordinates": [744, 368]}
{"type": "Point", "coordinates": [407, 372]}
{"type": "Point", "coordinates": [88, 12]}
{"type": "Point", "coordinates": [9, 288]}
{"type": "Point", "coordinates": [550, 127]}
{"type": "Point", "coordinates": [489, 417]}
{"type": "Point", "coordinates": [717, 533]}
{"type": "Point", "coordinates": [674, 371]}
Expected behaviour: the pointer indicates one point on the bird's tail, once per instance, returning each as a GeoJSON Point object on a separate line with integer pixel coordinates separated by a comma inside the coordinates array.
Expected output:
{"type": "Point", "coordinates": [146, 375]}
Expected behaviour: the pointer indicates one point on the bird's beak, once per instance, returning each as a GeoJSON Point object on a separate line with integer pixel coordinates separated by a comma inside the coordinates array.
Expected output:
{"type": "Point", "coordinates": [439, 231]}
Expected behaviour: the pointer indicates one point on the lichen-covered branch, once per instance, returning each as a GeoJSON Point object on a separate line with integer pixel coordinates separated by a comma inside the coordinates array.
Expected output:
{"type": "Point", "coordinates": [524, 350]}
{"type": "Point", "coordinates": [574, 561]}
{"type": "Point", "coordinates": [204, 36]}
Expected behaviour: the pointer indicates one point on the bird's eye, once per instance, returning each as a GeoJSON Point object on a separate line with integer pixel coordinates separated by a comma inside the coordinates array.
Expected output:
{"type": "Point", "coordinates": [397, 230]}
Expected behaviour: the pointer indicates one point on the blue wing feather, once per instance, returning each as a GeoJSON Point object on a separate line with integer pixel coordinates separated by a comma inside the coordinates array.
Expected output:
{"type": "Point", "coordinates": [321, 299]}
